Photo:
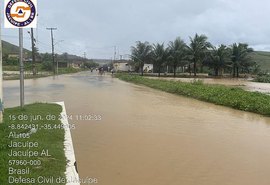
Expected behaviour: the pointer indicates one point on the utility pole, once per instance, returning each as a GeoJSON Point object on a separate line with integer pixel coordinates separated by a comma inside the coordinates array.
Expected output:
{"type": "Point", "coordinates": [53, 57]}
{"type": "Point", "coordinates": [84, 57]}
{"type": "Point", "coordinates": [21, 68]}
{"type": "Point", "coordinates": [33, 53]}
{"type": "Point", "coordinates": [118, 53]}
{"type": "Point", "coordinates": [1, 81]}
{"type": "Point", "coordinates": [56, 59]}
{"type": "Point", "coordinates": [114, 53]}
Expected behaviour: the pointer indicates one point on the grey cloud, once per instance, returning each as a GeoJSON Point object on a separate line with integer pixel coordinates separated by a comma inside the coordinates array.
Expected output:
{"type": "Point", "coordinates": [95, 26]}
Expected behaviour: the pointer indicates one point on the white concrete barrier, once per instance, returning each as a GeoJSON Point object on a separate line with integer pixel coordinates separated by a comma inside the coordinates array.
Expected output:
{"type": "Point", "coordinates": [72, 175]}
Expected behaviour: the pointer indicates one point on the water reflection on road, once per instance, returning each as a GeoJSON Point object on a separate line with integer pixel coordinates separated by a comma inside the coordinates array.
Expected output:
{"type": "Point", "coordinates": [154, 138]}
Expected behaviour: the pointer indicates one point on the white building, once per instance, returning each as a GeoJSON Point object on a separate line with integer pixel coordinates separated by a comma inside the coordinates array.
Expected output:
{"type": "Point", "coordinates": [148, 68]}
{"type": "Point", "coordinates": [122, 66]}
{"type": "Point", "coordinates": [125, 67]}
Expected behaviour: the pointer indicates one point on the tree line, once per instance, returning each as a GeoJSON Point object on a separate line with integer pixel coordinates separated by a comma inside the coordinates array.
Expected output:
{"type": "Point", "coordinates": [192, 57]}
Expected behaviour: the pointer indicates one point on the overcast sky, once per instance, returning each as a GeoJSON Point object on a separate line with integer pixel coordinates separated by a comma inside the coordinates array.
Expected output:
{"type": "Point", "coordinates": [96, 26]}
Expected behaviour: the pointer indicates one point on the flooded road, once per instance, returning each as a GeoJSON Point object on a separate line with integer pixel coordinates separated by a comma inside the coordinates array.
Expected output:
{"type": "Point", "coordinates": [154, 138]}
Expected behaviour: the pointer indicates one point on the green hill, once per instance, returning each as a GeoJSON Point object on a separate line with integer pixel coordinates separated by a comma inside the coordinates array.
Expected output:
{"type": "Point", "coordinates": [262, 58]}
{"type": "Point", "coordinates": [9, 48]}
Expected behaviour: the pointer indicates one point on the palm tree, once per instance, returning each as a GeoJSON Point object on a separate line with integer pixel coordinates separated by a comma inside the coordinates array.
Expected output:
{"type": "Point", "coordinates": [218, 58]}
{"type": "Point", "coordinates": [160, 55]}
{"type": "Point", "coordinates": [198, 49]}
{"type": "Point", "coordinates": [141, 53]}
{"type": "Point", "coordinates": [177, 50]}
{"type": "Point", "coordinates": [239, 57]}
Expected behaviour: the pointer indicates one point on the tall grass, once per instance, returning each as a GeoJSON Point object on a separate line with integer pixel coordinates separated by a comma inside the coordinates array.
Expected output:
{"type": "Point", "coordinates": [233, 97]}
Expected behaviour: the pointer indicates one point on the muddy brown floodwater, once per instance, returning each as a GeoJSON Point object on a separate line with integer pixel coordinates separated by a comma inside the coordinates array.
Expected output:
{"type": "Point", "coordinates": [154, 138]}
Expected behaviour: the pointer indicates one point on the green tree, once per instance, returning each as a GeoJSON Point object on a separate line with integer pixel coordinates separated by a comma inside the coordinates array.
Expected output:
{"type": "Point", "coordinates": [178, 53]}
{"type": "Point", "coordinates": [218, 59]}
{"type": "Point", "coordinates": [47, 65]}
{"type": "Point", "coordinates": [46, 57]}
{"type": "Point", "coordinates": [198, 49]}
{"type": "Point", "coordinates": [141, 53]}
{"type": "Point", "coordinates": [160, 55]}
{"type": "Point", "coordinates": [240, 57]}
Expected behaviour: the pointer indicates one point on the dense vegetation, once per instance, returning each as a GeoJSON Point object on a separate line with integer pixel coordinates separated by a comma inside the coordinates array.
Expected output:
{"type": "Point", "coordinates": [195, 57]}
{"type": "Point", "coordinates": [43, 60]}
{"type": "Point", "coordinates": [264, 78]}
{"type": "Point", "coordinates": [236, 98]}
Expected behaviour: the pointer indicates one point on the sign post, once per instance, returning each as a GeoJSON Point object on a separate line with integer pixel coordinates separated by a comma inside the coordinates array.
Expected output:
{"type": "Point", "coordinates": [21, 68]}
{"type": "Point", "coordinates": [21, 14]}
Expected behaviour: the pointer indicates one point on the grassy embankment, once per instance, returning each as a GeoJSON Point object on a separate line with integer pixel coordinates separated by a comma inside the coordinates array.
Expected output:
{"type": "Point", "coordinates": [233, 97]}
{"type": "Point", "coordinates": [262, 58]}
{"type": "Point", "coordinates": [49, 139]}
{"type": "Point", "coordinates": [262, 79]}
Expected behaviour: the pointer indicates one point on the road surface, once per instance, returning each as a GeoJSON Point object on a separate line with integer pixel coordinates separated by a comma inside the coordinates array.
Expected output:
{"type": "Point", "coordinates": [152, 137]}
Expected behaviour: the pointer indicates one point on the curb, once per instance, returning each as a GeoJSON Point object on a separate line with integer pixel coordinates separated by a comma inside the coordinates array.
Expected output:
{"type": "Point", "coordinates": [72, 175]}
